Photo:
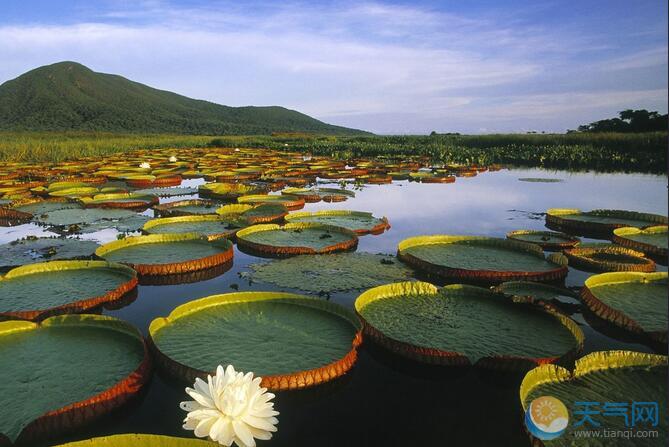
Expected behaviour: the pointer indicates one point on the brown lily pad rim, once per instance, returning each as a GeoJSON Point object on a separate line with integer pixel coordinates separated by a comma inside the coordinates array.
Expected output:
{"type": "Point", "coordinates": [613, 315]}
{"type": "Point", "coordinates": [80, 306]}
{"type": "Point", "coordinates": [279, 250]}
{"type": "Point", "coordinates": [171, 268]}
{"type": "Point", "coordinates": [621, 237]}
{"type": "Point", "coordinates": [582, 257]}
{"type": "Point", "coordinates": [486, 276]}
{"type": "Point", "coordinates": [293, 380]}
{"type": "Point", "coordinates": [80, 413]}
{"type": "Point", "coordinates": [453, 358]}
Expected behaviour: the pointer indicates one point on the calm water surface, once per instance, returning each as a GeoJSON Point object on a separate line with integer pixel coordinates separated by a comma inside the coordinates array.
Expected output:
{"type": "Point", "coordinates": [385, 400]}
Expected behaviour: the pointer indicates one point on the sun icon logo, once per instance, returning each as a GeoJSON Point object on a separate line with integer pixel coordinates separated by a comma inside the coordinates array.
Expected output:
{"type": "Point", "coordinates": [546, 418]}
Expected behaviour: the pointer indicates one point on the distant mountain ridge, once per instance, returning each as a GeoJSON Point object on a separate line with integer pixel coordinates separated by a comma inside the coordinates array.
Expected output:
{"type": "Point", "coordinates": [69, 96]}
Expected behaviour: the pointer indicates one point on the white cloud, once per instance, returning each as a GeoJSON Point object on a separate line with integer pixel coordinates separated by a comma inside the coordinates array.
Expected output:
{"type": "Point", "coordinates": [366, 59]}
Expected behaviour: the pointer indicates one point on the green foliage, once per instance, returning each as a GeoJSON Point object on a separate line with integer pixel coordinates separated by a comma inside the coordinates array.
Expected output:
{"type": "Point", "coordinates": [68, 96]}
{"type": "Point", "coordinates": [630, 121]}
{"type": "Point", "coordinates": [644, 152]}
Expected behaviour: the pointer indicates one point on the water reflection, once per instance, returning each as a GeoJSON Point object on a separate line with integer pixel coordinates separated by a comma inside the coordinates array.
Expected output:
{"type": "Point", "coordinates": [386, 400]}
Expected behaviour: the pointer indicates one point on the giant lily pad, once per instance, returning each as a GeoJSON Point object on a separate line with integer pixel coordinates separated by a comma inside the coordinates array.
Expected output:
{"type": "Point", "coordinates": [548, 240]}
{"type": "Point", "coordinates": [227, 191]}
{"type": "Point", "coordinates": [313, 195]}
{"type": "Point", "coordinates": [357, 221]}
{"type": "Point", "coordinates": [48, 288]}
{"type": "Point", "coordinates": [295, 239]}
{"type": "Point", "coordinates": [255, 214]}
{"type": "Point", "coordinates": [651, 240]}
{"type": "Point", "coordinates": [599, 222]}
{"type": "Point", "coordinates": [186, 208]}
{"type": "Point", "coordinates": [331, 273]}
{"type": "Point", "coordinates": [292, 341]}
{"type": "Point", "coordinates": [167, 192]}
{"type": "Point", "coordinates": [167, 254]}
{"type": "Point", "coordinates": [609, 259]}
{"type": "Point", "coordinates": [599, 379]}
{"type": "Point", "coordinates": [120, 200]}
{"type": "Point", "coordinates": [210, 226]}
{"type": "Point", "coordinates": [40, 206]}
{"type": "Point", "coordinates": [140, 440]}
{"type": "Point", "coordinates": [634, 301]}
{"type": "Point", "coordinates": [290, 202]}
{"type": "Point", "coordinates": [538, 291]}
{"type": "Point", "coordinates": [93, 219]}
{"type": "Point", "coordinates": [484, 259]}
{"type": "Point", "coordinates": [32, 250]}
{"type": "Point", "coordinates": [66, 371]}
{"type": "Point", "coordinates": [461, 325]}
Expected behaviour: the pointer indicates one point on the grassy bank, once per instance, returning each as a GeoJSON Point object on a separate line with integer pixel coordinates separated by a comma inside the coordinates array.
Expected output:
{"type": "Point", "coordinates": [57, 146]}
{"type": "Point", "coordinates": [597, 151]}
{"type": "Point", "coordinates": [645, 152]}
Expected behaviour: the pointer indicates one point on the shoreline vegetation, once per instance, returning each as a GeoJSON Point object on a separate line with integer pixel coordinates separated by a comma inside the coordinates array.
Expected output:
{"type": "Point", "coordinates": [601, 151]}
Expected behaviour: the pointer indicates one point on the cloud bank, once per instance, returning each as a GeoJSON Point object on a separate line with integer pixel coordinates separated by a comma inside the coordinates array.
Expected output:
{"type": "Point", "coordinates": [381, 67]}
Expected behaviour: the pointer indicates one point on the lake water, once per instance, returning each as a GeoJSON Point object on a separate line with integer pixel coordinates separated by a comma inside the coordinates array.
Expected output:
{"type": "Point", "coordinates": [385, 400]}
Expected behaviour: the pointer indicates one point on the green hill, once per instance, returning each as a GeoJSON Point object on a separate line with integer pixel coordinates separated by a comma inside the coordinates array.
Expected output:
{"type": "Point", "coordinates": [69, 96]}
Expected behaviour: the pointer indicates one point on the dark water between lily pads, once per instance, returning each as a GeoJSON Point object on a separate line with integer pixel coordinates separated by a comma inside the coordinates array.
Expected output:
{"type": "Point", "coordinates": [385, 400]}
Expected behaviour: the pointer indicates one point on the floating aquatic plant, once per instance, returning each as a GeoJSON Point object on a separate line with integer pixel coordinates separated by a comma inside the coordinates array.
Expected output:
{"type": "Point", "coordinates": [230, 407]}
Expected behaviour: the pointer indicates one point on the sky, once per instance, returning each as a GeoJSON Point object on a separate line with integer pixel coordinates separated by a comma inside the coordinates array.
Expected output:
{"type": "Point", "coordinates": [476, 66]}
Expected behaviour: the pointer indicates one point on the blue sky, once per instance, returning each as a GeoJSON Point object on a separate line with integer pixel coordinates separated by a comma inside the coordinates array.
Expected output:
{"type": "Point", "coordinates": [389, 67]}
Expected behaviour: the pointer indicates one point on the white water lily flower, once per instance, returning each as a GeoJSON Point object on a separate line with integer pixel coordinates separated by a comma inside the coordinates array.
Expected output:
{"type": "Point", "coordinates": [230, 407]}
{"type": "Point", "coordinates": [145, 165]}
{"type": "Point", "coordinates": [173, 159]}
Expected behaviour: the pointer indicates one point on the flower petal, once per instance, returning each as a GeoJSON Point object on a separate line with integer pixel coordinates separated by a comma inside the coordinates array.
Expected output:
{"type": "Point", "coordinates": [243, 433]}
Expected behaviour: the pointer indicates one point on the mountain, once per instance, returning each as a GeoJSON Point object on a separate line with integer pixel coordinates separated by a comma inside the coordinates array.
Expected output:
{"type": "Point", "coordinates": [69, 96]}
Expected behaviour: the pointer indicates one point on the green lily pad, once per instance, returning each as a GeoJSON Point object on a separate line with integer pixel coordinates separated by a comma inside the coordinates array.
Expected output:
{"type": "Point", "coordinates": [634, 301]}
{"type": "Point", "coordinates": [535, 290]}
{"type": "Point", "coordinates": [210, 226]}
{"type": "Point", "coordinates": [167, 192]}
{"type": "Point", "coordinates": [32, 250]}
{"type": "Point", "coordinates": [358, 221]}
{"type": "Point", "coordinates": [93, 219]}
{"type": "Point", "coordinates": [460, 324]}
{"type": "Point", "coordinates": [168, 254]}
{"type": "Point", "coordinates": [600, 222]}
{"type": "Point", "coordinates": [331, 273]}
{"type": "Point", "coordinates": [601, 378]}
{"type": "Point", "coordinates": [64, 217]}
{"type": "Point", "coordinates": [651, 240]}
{"type": "Point", "coordinates": [479, 258]}
{"type": "Point", "coordinates": [290, 202]}
{"type": "Point", "coordinates": [46, 206]}
{"type": "Point", "coordinates": [296, 238]}
{"type": "Point", "coordinates": [186, 207]}
{"type": "Point", "coordinates": [272, 334]}
{"type": "Point", "coordinates": [63, 361]}
{"type": "Point", "coordinates": [29, 291]}
{"type": "Point", "coordinates": [317, 194]}
{"type": "Point", "coordinates": [255, 214]}
{"type": "Point", "coordinates": [120, 200]}
{"type": "Point", "coordinates": [548, 240]}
